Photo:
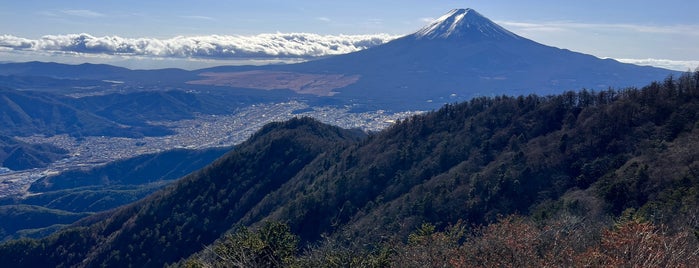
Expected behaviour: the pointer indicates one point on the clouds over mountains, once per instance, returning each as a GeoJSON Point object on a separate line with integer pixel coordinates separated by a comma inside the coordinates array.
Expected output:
{"type": "Point", "coordinates": [279, 45]}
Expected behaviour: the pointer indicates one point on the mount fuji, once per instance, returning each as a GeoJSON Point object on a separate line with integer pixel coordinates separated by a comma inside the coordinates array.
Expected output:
{"type": "Point", "coordinates": [457, 57]}
{"type": "Point", "coordinates": [463, 55]}
{"type": "Point", "coordinates": [464, 24]}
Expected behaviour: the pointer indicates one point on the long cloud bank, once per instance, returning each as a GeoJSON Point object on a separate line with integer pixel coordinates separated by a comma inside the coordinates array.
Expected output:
{"type": "Point", "coordinates": [279, 45]}
{"type": "Point", "coordinates": [679, 65]}
{"type": "Point", "coordinates": [288, 47]}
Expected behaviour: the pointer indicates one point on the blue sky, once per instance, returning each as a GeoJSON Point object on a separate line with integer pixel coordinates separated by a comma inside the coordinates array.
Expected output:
{"type": "Point", "coordinates": [622, 29]}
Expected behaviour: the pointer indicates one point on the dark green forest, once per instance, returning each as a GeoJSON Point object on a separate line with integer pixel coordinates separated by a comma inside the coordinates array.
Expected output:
{"type": "Point", "coordinates": [588, 178]}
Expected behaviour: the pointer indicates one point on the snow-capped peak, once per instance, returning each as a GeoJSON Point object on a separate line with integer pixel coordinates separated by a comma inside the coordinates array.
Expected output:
{"type": "Point", "coordinates": [463, 23]}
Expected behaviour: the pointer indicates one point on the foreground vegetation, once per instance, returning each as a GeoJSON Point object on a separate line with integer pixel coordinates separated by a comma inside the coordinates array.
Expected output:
{"type": "Point", "coordinates": [512, 241]}
{"type": "Point", "coordinates": [599, 179]}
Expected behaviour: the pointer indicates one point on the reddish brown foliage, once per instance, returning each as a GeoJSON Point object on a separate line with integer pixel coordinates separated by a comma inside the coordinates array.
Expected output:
{"type": "Point", "coordinates": [642, 244]}
{"type": "Point", "coordinates": [569, 242]}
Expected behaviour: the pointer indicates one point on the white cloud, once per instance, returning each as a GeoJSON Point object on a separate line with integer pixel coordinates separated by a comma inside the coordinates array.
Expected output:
{"type": "Point", "coordinates": [678, 65]}
{"type": "Point", "coordinates": [325, 19]}
{"type": "Point", "coordinates": [279, 45]}
{"type": "Point", "coordinates": [564, 26]}
{"type": "Point", "coordinates": [533, 27]}
{"type": "Point", "coordinates": [82, 13]}
{"type": "Point", "coordinates": [616, 40]}
{"type": "Point", "coordinates": [282, 46]}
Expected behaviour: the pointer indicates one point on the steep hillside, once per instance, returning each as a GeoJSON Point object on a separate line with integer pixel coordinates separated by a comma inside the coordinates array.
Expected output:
{"type": "Point", "coordinates": [593, 155]}
{"type": "Point", "coordinates": [492, 156]}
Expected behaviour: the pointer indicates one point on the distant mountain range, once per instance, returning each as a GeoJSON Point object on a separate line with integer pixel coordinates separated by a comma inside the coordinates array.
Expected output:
{"type": "Point", "coordinates": [459, 56]}
{"type": "Point", "coordinates": [113, 114]}
{"type": "Point", "coordinates": [24, 113]}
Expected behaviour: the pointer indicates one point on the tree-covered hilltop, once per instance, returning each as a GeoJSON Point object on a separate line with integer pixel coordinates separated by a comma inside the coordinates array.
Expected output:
{"type": "Point", "coordinates": [193, 212]}
{"type": "Point", "coordinates": [630, 156]}
{"type": "Point", "coordinates": [18, 155]}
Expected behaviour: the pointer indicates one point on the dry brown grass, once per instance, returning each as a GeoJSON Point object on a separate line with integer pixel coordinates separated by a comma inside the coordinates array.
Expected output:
{"type": "Point", "coordinates": [301, 83]}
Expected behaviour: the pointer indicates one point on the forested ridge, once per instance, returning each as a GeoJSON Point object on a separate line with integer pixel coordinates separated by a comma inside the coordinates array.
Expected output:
{"type": "Point", "coordinates": [18, 155]}
{"type": "Point", "coordinates": [521, 181]}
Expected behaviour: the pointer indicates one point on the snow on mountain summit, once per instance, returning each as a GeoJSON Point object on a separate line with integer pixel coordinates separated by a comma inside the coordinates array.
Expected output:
{"type": "Point", "coordinates": [463, 23]}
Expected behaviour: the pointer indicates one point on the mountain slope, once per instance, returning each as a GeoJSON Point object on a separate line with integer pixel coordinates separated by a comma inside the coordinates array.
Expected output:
{"type": "Point", "coordinates": [18, 155]}
{"type": "Point", "coordinates": [24, 113]}
{"type": "Point", "coordinates": [591, 154]}
{"type": "Point", "coordinates": [137, 108]}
